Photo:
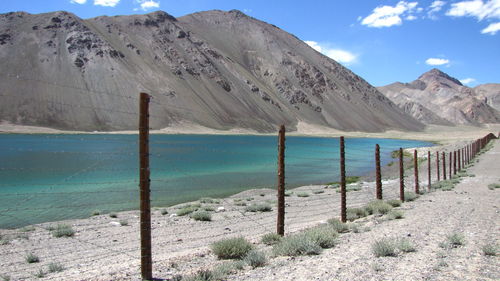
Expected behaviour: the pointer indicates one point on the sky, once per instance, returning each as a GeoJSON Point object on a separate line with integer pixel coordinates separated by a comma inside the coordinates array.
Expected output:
{"type": "Point", "coordinates": [382, 41]}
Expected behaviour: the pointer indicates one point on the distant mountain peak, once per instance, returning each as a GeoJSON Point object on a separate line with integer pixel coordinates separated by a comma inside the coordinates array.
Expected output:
{"type": "Point", "coordinates": [437, 75]}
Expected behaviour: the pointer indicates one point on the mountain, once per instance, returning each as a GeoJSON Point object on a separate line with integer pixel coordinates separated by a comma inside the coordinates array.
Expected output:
{"type": "Point", "coordinates": [490, 93]}
{"type": "Point", "coordinates": [437, 98]}
{"type": "Point", "coordinates": [217, 69]}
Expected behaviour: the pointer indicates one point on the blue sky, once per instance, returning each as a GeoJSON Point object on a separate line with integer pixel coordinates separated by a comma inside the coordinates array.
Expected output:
{"type": "Point", "coordinates": [382, 41]}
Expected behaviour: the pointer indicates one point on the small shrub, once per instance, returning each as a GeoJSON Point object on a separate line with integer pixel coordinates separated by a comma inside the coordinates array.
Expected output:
{"type": "Point", "coordinates": [352, 187]}
{"type": "Point", "coordinates": [394, 202]}
{"type": "Point", "coordinates": [323, 236]}
{"type": "Point", "coordinates": [351, 179]}
{"type": "Point", "coordinates": [319, 191]}
{"type": "Point", "coordinates": [113, 215]}
{"type": "Point", "coordinates": [232, 248]}
{"type": "Point", "coordinates": [490, 249]}
{"type": "Point", "coordinates": [230, 267]}
{"type": "Point", "coordinates": [186, 211]}
{"type": "Point", "coordinates": [205, 275]}
{"type": "Point", "coordinates": [302, 194]}
{"type": "Point", "coordinates": [5, 277]}
{"type": "Point", "coordinates": [262, 207]}
{"type": "Point", "coordinates": [255, 259]}
{"type": "Point", "coordinates": [208, 208]}
{"type": "Point", "coordinates": [40, 273]}
{"type": "Point", "coordinates": [164, 212]}
{"type": "Point", "coordinates": [384, 248]}
{"type": "Point", "coordinates": [95, 213]}
{"type": "Point", "coordinates": [271, 238]}
{"type": "Point", "coordinates": [27, 229]}
{"type": "Point", "coordinates": [251, 198]}
{"type": "Point", "coordinates": [338, 226]}
{"type": "Point", "coordinates": [378, 207]}
{"type": "Point", "coordinates": [240, 203]}
{"type": "Point", "coordinates": [493, 186]}
{"type": "Point", "coordinates": [123, 222]}
{"type": "Point", "coordinates": [395, 215]}
{"type": "Point", "coordinates": [296, 245]}
{"type": "Point", "coordinates": [355, 213]}
{"type": "Point", "coordinates": [288, 193]}
{"type": "Point", "coordinates": [201, 216]}
{"type": "Point", "coordinates": [454, 240]}
{"type": "Point", "coordinates": [209, 200]}
{"type": "Point", "coordinates": [63, 230]}
{"type": "Point", "coordinates": [405, 246]}
{"type": "Point", "coordinates": [410, 196]}
{"type": "Point", "coordinates": [262, 194]}
{"type": "Point", "coordinates": [55, 267]}
{"type": "Point", "coordinates": [32, 258]}
{"type": "Point", "coordinates": [4, 240]}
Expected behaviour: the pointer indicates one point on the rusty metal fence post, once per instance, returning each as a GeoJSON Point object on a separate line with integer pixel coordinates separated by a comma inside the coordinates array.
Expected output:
{"type": "Point", "coordinates": [144, 181]}
{"type": "Point", "coordinates": [454, 162]}
{"type": "Point", "coordinates": [438, 176]}
{"type": "Point", "coordinates": [451, 165]}
{"type": "Point", "coordinates": [378, 175]}
{"type": "Point", "coordinates": [444, 165]}
{"type": "Point", "coordinates": [429, 169]}
{"type": "Point", "coordinates": [343, 199]}
{"type": "Point", "coordinates": [401, 176]}
{"type": "Point", "coordinates": [415, 165]}
{"type": "Point", "coordinates": [281, 182]}
{"type": "Point", "coordinates": [459, 161]}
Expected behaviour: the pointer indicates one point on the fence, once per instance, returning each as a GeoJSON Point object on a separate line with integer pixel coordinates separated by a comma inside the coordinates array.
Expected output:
{"type": "Point", "coordinates": [114, 240]}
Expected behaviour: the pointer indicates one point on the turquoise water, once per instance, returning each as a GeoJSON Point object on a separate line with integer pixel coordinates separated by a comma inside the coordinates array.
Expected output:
{"type": "Point", "coordinates": [54, 177]}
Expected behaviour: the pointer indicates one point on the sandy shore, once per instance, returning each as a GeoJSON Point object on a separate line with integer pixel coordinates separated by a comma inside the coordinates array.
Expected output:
{"type": "Point", "coordinates": [105, 248]}
{"type": "Point", "coordinates": [442, 134]}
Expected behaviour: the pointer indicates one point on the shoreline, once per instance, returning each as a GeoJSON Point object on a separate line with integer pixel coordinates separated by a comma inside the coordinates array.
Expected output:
{"type": "Point", "coordinates": [431, 133]}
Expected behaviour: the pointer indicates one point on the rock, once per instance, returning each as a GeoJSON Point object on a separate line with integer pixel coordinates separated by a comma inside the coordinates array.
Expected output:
{"type": "Point", "coordinates": [115, 223]}
{"type": "Point", "coordinates": [220, 209]}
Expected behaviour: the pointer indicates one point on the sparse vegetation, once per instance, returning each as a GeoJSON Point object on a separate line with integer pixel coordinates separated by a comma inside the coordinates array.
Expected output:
{"type": "Point", "coordinates": [32, 258]}
{"type": "Point", "coordinates": [490, 249]}
{"type": "Point", "coordinates": [338, 226]}
{"type": "Point", "coordinates": [384, 248]}
{"type": "Point", "coordinates": [208, 200]}
{"type": "Point", "coordinates": [394, 202]}
{"type": "Point", "coordinates": [302, 194]}
{"type": "Point", "coordinates": [240, 203]}
{"type": "Point", "coordinates": [5, 277]}
{"type": "Point", "coordinates": [319, 191]}
{"type": "Point", "coordinates": [186, 210]}
{"type": "Point", "coordinates": [164, 212]}
{"type": "Point", "coordinates": [351, 187]}
{"type": "Point", "coordinates": [355, 213]}
{"type": "Point", "coordinates": [395, 215]}
{"type": "Point", "coordinates": [378, 207]}
{"type": "Point", "coordinates": [262, 207]}
{"type": "Point", "coordinates": [493, 186]}
{"type": "Point", "coordinates": [208, 208]}
{"type": "Point", "coordinates": [4, 239]}
{"type": "Point", "coordinates": [95, 212]}
{"type": "Point", "coordinates": [55, 267]}
{"type": "Point", "coordinates": [288, 193]}
{"type": "Point", "coordinates": [271, 238]}
{"type": "Point", "coordinates": [410, 196]}
{"type": "Point", "coordinates": [453, 240]}
{"type": "Point", "coordinates": [324, 236]}
{"type": "Point", "coordinates": [63, 230]}
{"type": "Point", "coordinates": [232, 248]}
{"type": "Point", "coordinates": [296, 245]}
{"type": "Point", "coordinates": [406, 246]}
{"type": "Point", "coordinates": [29, 228]}
{"type": "Point", "coordinates": [124, 222]}
{"type": "Point", "coordinates": [40, 273]}
{"type": "Point", "coordinates": [255, 259]}
{"type": "Point", "coordinates": [201, 216]}
{"type": "Point", "coordinates": [205, 275]}
{"type": "Point", "coordinates": [113, 215]}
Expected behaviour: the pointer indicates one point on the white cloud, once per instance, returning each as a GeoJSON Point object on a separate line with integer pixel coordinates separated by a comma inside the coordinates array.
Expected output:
{"type": "Point", "coordinates": [435, 7]}
{"type": "Point", "coordinates": [106, 3]}
{"type": "Point", "coordinates": [78, 1]}
{"type": "Point", "coordinates": [342, 56]}
{"type": "Point", "coordinates": [436, 61]}
{"type": "Point", "coordinates": [411, 17]}
{"type": "Point", "coordinates": [386, 16]}
{"type": "Point", "coordinates": [147, 4]}
{"type": "Point", "coordinates": [491, 29]}
{"type": "Point", "coordinates": [467, 81]}
{"type": "Point", "coordinates": [476, 8]}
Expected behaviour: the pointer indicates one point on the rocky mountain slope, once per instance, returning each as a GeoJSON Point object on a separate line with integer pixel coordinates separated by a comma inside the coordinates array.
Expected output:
{"type": "Point", "coordinates": [490, 93]}
{"type": "Point", "coordinates": [437, 98]}
{"type": "Point", "coordinates": [217, 69]}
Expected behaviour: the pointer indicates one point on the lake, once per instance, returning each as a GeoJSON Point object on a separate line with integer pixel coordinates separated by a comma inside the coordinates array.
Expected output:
{"type": "Point", "coordinates": [55, 177]}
